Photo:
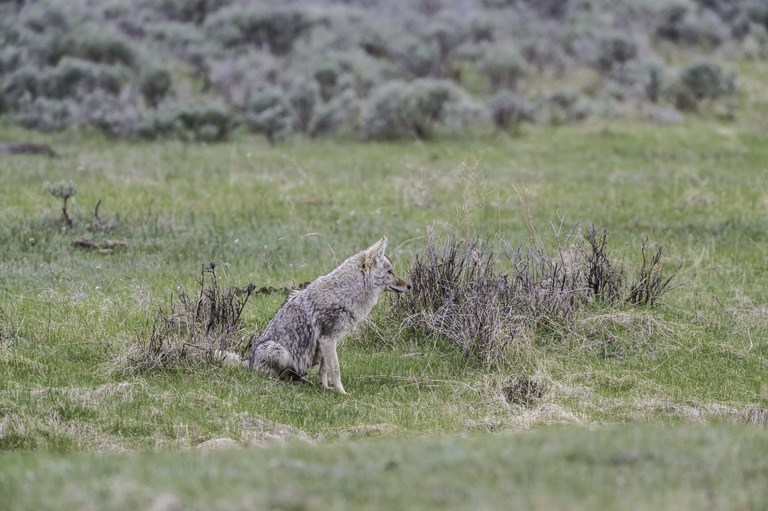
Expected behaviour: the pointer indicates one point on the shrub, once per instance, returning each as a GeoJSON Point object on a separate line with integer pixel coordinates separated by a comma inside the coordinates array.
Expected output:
{"type": "Point", "coordinates": [326, 75]}
{"type": "Point", "coordinates": [73, 77]}
{"type": "Point", "coordinates": [671, 18]}
{"type": "Point", "coordinates": [550, 8]}
{"type": "Point", "coordinates": [11, 58]}
{"type": "Point", "coordinates": [641, 77]}
{"type": "Point", "coordinates": [545, 54]}
{"type": "Point", "coordinates": [484, 303]}
{"type": "Point", "coordinates": [448, 32]}
{"type": "Point", "coordinates": [154, 85]}
{"type": "Point", "coordinates": [508, 109]}
{"type": "Point", "coordinates": [756, 42]}
{"type": "Point", "coordinates": [705, 79]}
{"type": "Point", "coordinates": [354, 68]}
{"type": "Point", "coordinates": [614, 50]}
{"type": "Point", "coordinates": [44, 114]}
{"type": "Point", "coordinates": [273, 28]}
{"type": "Point", "coordinates": [105, 112]}
{"type": "Point", "coordinates": [566, 107]}
{"type": "Point", "coordinates": [198, 328]}
{"type": "Point", "coordinates": [97, 44]}
{"type": "Point", "coordinates": [340, 110]}
{"type": "Point", "coordinates": [705, 29]}
{"type": "Point", "coordinates": [179, 38]}
{"type": "Point", "coordinates": [649, 284]}
{"type": "Point", "coordinates": [187, 122]}
{"type": "Point", "coordinates": [401, 109]}
{"type": "Point", "coordinates": [462, 112]}
{"type": "Point", "coordinates": [189, 11]}
{"type": "Point", "coordinates": [419, 58]}
{"type": "Point", "coordinates": [269, 113]}
{"type": "Point", "coordinates": [20, 85]}
{"type": "Point", "coordinates": [234, 78]}
{"type": "Point", "coordinates": [304, 97]}
{"type": "Point", "coordinates": [62, 190]}
{"type": "Point", "coordinates": [503, 66]}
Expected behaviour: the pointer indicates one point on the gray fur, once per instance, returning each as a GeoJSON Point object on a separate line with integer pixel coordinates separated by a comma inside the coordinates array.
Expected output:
{"type": "Point", "coordinates": [308, 326]}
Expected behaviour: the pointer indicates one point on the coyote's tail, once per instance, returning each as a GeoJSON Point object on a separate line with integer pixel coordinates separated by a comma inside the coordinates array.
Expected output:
{"type": "Point", "coordinates": [230, 358]}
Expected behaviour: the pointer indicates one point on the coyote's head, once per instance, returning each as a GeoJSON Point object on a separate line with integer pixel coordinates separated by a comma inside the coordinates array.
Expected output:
{"type": "Point", "coordinates": [380, 269]}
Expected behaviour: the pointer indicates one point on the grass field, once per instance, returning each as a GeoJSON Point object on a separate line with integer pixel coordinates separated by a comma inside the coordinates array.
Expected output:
{"type": "Point", "coordinates": [281, 216]}
{"type": "Point", "coordinates": [627, 467]}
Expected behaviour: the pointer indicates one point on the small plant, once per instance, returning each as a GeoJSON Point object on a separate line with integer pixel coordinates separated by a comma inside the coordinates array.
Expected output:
{"type": "Point", "coordinates": [603, 277]}
{"type": "Point", "coordinates": [62, 190]}
{"type": "Point", "coordinates": [650, 285]}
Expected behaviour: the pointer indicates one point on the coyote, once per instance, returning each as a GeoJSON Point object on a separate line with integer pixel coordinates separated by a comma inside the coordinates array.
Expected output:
{"type": "Point", "coordinates": [308, 326]}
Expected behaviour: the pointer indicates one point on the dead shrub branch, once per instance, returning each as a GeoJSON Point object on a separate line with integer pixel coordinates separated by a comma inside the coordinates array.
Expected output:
{"type": "Point", "coordinates": [484, 303]}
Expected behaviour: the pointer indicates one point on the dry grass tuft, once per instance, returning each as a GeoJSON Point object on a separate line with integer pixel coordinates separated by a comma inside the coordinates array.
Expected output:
{"type": "Point", "coordinates": [487, 304]}
{"type": "Point", "coordinates": [524, 391]}
{"type": "Point", "coordinates": [754, 414]}
{"type": "Point", "coordinates": [199, 329]}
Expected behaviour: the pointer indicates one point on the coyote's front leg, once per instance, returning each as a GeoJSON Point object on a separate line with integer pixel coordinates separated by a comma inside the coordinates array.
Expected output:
{"type": "Point", "coordinates": [329, 363]}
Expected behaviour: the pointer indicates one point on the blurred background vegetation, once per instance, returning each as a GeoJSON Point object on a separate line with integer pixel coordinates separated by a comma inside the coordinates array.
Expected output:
{"type": "Point", "coordinates": [372, 69]}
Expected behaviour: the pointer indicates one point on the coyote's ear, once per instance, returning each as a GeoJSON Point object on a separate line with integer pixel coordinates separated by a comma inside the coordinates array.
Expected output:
{"type": "Point", "coordinates": [379, 247]}
{"type": "Point", "coordinates": [375, 252]}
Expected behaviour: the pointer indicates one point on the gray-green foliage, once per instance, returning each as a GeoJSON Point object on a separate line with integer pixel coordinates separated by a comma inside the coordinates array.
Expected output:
{"type": "Point", "coordinates": [343, 109]}
{"type": "Point", "coordinates": [187, 122]}
{"type": "Point", "coordinates": [304, 97]}
{"type": "Point", "coordinates": [503, 66]}
{"type": "Point", "coordinates": [58, 55]}
{"type": "Point", "coordinates": [565, 107]}
{"type": "Point", "coordinates": [155, 84]}
{"type": "Point", "coordinates": [508, 109]}
{"type": "Point", "coordinates": [644, 78]}
{"type": "Point", "coordinates": [706, 79]}
{"type": "Point", "coordinates": [73, 77]}
{"type": "Point", "coordinates": [63, 190]}
{"type": "Point", "coordinates": [614, 50]}
{"type": "Point", "coordinates": [702, 80]}
{"type": "Point", "coordinates": [97, 44]}
{"type": "Point", "coordinates": [402, 109]}
{"type": "Point", "coordinates": [45, 114]}
{"type": "Point", "coordinates": [271, 28]}
{"type": "Point", "coordinates": [269, 112]}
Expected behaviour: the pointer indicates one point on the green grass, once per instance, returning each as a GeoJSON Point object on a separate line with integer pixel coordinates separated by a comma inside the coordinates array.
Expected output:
{"type": "Point", "coordinates": [280, 216]}
{"type": "Point", "coordinates": [608, 468]}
